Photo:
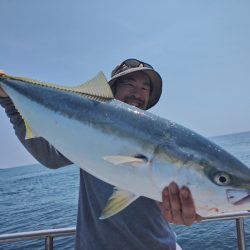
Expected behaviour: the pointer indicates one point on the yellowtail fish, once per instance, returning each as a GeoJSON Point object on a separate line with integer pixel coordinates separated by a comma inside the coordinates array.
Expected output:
{"type": "Point", "coordinates": [134, 150]}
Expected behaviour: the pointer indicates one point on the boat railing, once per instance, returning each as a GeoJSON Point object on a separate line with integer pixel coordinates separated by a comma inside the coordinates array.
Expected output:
{"type": "Point", "coordinates": [49, 235]}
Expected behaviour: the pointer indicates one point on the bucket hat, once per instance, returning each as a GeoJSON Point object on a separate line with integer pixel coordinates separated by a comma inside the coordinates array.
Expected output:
{"type": "Point", "coordinates": [133, 65]}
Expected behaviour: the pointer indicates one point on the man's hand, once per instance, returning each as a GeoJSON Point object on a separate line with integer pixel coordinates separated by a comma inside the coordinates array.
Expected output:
{"type": "Point", "coordinates": [177, 205]}
{"type": "Point", "coordinates": [2, 93]}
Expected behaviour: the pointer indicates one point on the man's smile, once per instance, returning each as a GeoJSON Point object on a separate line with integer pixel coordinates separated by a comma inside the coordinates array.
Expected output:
{"type": "Point", "coordinates": [134, 102]}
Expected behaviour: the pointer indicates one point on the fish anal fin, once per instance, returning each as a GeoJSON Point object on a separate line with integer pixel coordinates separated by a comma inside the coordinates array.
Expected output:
{"type": "Point", "coordinates": [119, 200]}
{"type": "Point", "coordinates": [30, 133]}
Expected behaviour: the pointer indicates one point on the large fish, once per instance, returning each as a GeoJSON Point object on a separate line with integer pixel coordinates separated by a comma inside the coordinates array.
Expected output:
{"type": "Point", "coordinates": [134, 150]}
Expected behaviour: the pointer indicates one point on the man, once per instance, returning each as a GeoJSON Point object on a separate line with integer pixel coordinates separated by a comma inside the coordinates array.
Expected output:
{"type": "Point", "coordinates": [142, 225]}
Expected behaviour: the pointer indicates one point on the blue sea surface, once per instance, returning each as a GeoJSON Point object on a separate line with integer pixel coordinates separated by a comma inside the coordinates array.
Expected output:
{"type": "Point", "coordinates": [37, 198]}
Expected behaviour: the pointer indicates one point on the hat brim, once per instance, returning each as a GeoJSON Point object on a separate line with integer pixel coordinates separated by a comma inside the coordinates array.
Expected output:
{"type": "Point", "coordinates": [155, 79]}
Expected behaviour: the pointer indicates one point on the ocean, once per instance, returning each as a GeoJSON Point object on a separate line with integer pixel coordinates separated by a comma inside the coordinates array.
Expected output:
{"type": "Point", "coordinates": [35, 198]}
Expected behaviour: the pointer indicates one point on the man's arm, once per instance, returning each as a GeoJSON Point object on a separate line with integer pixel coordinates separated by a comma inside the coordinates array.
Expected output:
{"type": "Point", "coordinates": [45, 153]}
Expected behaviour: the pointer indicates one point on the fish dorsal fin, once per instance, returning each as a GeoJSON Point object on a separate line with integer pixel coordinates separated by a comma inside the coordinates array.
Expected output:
{"type": "Point", "coordinates": [119, 200]}
{"type": "Point", "coordinates": [97, 88]}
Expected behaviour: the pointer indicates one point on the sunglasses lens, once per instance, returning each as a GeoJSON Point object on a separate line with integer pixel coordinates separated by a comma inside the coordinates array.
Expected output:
{"type": "Point", "coordinates": [130, 63]}
{"type": "Point", "coordinates": [133, 63]}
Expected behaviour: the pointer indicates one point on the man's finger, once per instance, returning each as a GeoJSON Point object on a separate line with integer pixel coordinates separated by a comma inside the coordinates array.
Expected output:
{"type": "Point", "coordinates": [175, 203]}
{"type": "Point", "coordinates": [166, 206]}
{"type": "Point", "coordinates": [188, 208]}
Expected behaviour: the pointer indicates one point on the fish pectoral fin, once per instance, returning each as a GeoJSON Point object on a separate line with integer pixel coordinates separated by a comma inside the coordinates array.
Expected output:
{"type": "Point", "coordinates": [123, 159]}
{"type": "Point", "coordinates": [96, 87]}
{"type": "Point", "coordinates": [30, 133]}
{"type": "Point", "coordinates": [119, 200]}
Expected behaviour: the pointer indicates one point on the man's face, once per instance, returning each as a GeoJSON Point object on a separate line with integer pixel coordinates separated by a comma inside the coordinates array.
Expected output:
{"type": "Point", "coordinates": [133, 89]}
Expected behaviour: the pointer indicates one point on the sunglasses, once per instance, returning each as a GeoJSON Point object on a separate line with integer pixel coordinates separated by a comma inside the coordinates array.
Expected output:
{"type": "Point", "coordinates": [130, 63]}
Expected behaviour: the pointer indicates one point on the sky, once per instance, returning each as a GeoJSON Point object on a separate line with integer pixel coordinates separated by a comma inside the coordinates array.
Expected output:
{"type": "Point", "coordinates": [200, 48]}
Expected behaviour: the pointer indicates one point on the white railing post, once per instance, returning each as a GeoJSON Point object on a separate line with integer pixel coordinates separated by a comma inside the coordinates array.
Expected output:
{"type": "Point", "coordinates": [49, 243]}
{"type": "Point", "coordinates": [240, 233]}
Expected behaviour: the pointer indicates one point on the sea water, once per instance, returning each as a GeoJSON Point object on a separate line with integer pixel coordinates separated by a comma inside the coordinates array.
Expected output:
{"type": "Point", "coordinates": [37, 198]}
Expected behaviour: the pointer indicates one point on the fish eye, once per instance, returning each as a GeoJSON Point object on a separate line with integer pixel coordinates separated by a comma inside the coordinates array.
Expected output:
{"type": "Point", "coordinates": [222, 179]}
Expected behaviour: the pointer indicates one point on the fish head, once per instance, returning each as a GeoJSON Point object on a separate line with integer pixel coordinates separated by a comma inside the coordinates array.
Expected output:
{"type": "Point", "coordinates": [218, 181]}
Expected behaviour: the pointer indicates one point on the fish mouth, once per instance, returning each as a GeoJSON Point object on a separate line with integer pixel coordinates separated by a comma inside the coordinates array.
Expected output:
{"type": "Point", "coordinates": [238, 197]}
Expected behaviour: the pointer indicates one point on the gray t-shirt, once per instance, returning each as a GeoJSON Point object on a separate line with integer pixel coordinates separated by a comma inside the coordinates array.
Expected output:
{"type": "Point", "coordinates": [139, 226]}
